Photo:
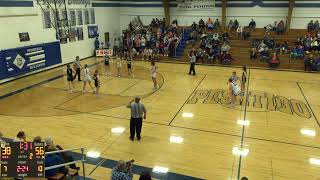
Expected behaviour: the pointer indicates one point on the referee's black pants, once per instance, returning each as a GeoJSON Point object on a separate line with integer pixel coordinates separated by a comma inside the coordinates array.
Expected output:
{"type": "Point", "coordinates": [77, 73]}
{"type": "Point", "coordinates": [135, 127]}
{"type": "Point", "coordinates": [192, 69]}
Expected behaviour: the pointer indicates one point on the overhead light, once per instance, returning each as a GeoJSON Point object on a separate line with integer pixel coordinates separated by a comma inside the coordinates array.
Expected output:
{"type": "Point", "coordinates": [240, 151]}
{"type": "Point", "coordinates": [93, 154]}
{"type": "Point", "coordinates": [314, 161]}
{"type": "Point", "coordinates": [187, 115]}
{"type": "Point", "coordinates": [118, 130]}
{"type": "Point", "coordinates": [243, 122]}
{"type": "Point", "coordinates": [160, 169]}
{"type": "Point", "coordinates": [176, 139]}
{"type": "Point", "coordinates": [308, 132]}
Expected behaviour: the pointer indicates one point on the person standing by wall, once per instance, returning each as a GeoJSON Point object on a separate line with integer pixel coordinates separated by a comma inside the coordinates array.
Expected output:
{"type": "Point", "coordinates": [70, 78]}
{"type": "Point", "coordinates": [192, 63]}
{"type": "Point", "coordinates": [138, 111]}
{"type": "Point", "coordinates": [78, 67]}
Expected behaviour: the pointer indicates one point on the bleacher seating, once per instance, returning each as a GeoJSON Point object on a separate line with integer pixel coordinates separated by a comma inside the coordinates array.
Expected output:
{"type": "Point", "coordinates": [240, 50]}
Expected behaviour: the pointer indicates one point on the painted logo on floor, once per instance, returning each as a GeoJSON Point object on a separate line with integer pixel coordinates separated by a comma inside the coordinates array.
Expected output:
{"type": "Point", "coordinates": [258, 101]}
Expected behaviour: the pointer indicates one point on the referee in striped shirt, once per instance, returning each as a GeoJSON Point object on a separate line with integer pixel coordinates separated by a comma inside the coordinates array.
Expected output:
{"type": "Point", "coordinates": [137, 112]}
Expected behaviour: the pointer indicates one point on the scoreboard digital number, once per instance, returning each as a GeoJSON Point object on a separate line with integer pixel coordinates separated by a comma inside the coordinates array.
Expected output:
{"type": "Point", "coordinates": [22, 159]}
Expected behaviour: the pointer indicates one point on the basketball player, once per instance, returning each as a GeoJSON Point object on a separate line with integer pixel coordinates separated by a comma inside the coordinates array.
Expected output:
{"type": "Point", "coordinates": [119, 66]}
{"type": "Point", "coordinates": [86, 78]}
{"type": "Point", "coordinates": [232, 96]}
{"type": "Point", "coordinates": [107, 64]}
{"type": "Point", "coordinates": [154, 74]}
{"type": "Point", "coordinates": [95, 77]}
{"type": "Point", "coordinates": [243, 79]}
{"type": "Point", "coordinates": [129, 66]}
{"type": "Point", "coordinates": [234, 77]}
{"type": "Point", "coordinates": [70, 78]}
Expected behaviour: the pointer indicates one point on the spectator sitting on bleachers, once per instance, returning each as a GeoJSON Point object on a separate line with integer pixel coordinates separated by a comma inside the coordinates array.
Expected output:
{"type": "Point", "coordinates": [230, 25]}
{"type": "Point", "coordinates": [21, 137]}
{"type": "Point", "coordinates": [200, 55]}
{"type": "Point", "coordinates": [280, 28]}
{"type": "Point", "coordinates": [274, 62]}
{"type": "Point", "coordinates": [294, 53]}
{"type": "Point", "coordinates": [235, 25]}
{"type": "Point", "coordinates": [64, 155]}
{"type": "Point", "coordinates": [52, 160]}
{"type": "Point", "coordinates": [284, 47]}
{"type": "Point", "coordinates": [239, 31]}
{"type": "Point", "coordinates": [37, 139]}
{"type": "Point", "coordinates": [268, 28]}
{"type": "Point", "coordinates": [123, 171]}
{"type": "Point", "coordinates": [217, 24]}
{"type": "Point", "coordinates": [226, 58]}
{"type": "Point", "coordinates": [300, 52]}
{"type": "Point", "coordinates": [264, 55]}
{"type": "Point", "coordinates": [308, 63]}
{"type": "Point", "coordinates": [246, 34]}
{"type": "Point", "coordinates": [252, 24]}
{"type": "Point", "coordinates": [201, 24]}
{"type": "Point", "coordinates": [211, 56]}
{"type": "Point", "coordinates": [215, 36]}
{"type": "Point", "coordinates": [314, 45]}
{"type": "Point", "coordinates": [194, 26]}
{"type": "Point", "coordinates": [310, 27]}
{"type": "Point", "coordinates": [316, 26]}
{"type": "Point", "coordinates": [261, 46]}
{"type": "Point", "coordinates": [253, 53]}
{"type": "Point", "coordinates": [210, 24]}
{"type": "Point", "coordinates": [225, 48]}
{"type": "Point", "coordinates": [225, 36]}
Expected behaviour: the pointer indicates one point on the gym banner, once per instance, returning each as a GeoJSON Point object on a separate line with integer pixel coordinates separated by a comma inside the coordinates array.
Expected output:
{"type": "Point", "coordinates": [22, 60]}
{"type": "Point", "coordinates": [195, 4]}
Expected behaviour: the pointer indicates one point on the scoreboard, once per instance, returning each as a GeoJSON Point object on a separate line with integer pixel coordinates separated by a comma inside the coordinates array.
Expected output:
{"type": "Point", "coordinates": [22, 159]}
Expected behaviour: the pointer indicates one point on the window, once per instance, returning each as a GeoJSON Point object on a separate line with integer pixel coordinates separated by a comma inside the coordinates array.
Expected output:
{"type": "Point", "coordinates": [80, 18]}
{"type": "Point", "coordinates": [92, 17]}
{"type": "Point", "coordinates": [47, 19]}
{"type": "Point", "coordinates": [72, 17]}
{"type": "Point", "coordinates": [86, 17]}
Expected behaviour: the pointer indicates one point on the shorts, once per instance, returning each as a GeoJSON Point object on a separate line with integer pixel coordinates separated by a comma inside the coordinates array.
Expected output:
{"type": "Point", "coordinates": [154, 75]}
{"type": "Point", "coordinates": [107, 63]}
{"type": "Point", "coordinates": [70, 78]}
{"type": "Point", "coordinates": [96, 84]}
{"type": "Point", "coordinates": [129, 66]}
{"type": "Point", "coordinates": [86, 78]}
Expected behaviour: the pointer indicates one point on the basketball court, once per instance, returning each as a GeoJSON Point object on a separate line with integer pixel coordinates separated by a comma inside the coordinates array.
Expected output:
{"type": "Point", "coordinates": [190, 128]}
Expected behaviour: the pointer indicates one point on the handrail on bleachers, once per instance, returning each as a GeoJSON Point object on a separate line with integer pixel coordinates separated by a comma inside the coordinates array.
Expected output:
{"type": "Point", "coordinates": [82, 160]}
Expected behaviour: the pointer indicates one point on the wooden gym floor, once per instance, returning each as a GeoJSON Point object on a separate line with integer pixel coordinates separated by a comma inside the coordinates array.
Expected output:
{"type": "Point", "coordinates": [278, 104]}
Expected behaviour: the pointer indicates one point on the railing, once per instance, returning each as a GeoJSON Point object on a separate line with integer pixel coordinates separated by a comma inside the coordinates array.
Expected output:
{"type": "Point", "coordinates": [178, 42]}
{"type": "Point", "coordinates": [69, 163]}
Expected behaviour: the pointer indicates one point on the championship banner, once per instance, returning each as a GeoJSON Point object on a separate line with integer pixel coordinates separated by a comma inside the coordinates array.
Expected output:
{"type": "Point", "coordinates": [195, 4]}
{"type": "Point", "coordinates": [22, 60]}
{"type": "Point", "coordinates": [103, 52]}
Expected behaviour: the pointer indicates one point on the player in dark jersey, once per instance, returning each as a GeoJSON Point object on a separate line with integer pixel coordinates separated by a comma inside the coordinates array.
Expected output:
{"type": "Point", "coordinates": [70, 78]}
{"type": "Point", "coordinates": [107, 65]}
{"type": "Point", "coordinates": [243, 79]}
{"type": "Point", "coordinates": [129, 66]}
{"type": "Point", "coordinates": [95, 77]}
